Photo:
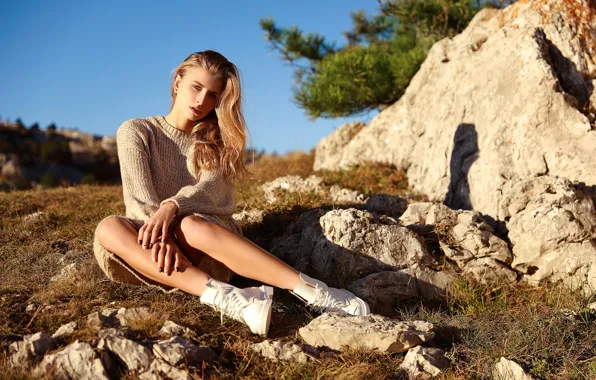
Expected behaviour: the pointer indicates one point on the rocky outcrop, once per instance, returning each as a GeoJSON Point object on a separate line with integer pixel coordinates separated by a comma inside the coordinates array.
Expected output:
{"type": "Point", "coordinates": [328, 151]}
{"type": "Point", "coordinates": [423, 363]}
{"type": "Point", "coordinates": [336, 330]}
{"type": "Point", "coordinates": [465, 239]}
{"type": "Point", "coordinates": [552, 228]}
{"type": "Point", "coordinates": [341, 246]}
{"type": "Point", "coordinates": [523, 106]}
{"type": "Point", "coordinates": [311, 185]}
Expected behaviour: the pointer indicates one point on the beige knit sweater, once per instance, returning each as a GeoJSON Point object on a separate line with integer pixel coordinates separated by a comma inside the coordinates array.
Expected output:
{"type": "Point", "coordinates": [155, 168]}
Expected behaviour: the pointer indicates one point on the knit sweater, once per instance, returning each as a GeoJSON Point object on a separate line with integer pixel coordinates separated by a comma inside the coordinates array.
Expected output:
{"type": "Point", "coordinates": [155, 168]}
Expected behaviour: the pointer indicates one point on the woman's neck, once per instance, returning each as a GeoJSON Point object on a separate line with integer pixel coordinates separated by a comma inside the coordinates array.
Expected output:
{"type": "Point", "coordinates": [179, 121]}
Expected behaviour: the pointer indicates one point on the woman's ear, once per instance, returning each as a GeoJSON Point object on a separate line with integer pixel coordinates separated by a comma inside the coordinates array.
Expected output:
{"type": "Point", "coordinates": [177, 82]}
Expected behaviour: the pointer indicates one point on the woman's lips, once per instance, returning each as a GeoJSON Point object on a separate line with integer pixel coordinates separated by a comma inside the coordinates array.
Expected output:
{"type": "Point", "coordinates": [196, 112]}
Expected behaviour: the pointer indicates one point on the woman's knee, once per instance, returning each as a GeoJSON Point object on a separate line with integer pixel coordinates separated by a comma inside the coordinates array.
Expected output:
{"type": "Point", "coordinates": [197, 231]}
{"type": "Point", "coordinates": [109, 227]}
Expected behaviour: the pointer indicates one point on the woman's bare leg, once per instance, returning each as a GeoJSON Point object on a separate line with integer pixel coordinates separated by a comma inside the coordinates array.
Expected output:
{"type": "Point", "coordinates": [237, 253]}
{"type": "Point", "coordinates": [119, 237]}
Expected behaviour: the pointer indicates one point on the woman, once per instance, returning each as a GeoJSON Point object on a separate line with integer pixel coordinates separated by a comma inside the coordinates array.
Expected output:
{"type": "Point", "coordinates": [177, 179]}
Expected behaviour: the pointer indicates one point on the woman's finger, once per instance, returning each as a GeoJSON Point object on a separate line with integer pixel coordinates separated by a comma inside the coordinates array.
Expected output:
{"type": "Point", "coordinates": [168, 259]}
{"type": "Point", "coordinates": [155, 252]}
{"type": "Point", "coordinates": [161, 257]}
{"type": "Point", "coordinates": [155, 231]}
{"type": "Point", "coordinates": [141, 232]}
{"type": "Point", "coordinates": [164, 231]}
{"type": "Point", "coordinates": [147, 234]}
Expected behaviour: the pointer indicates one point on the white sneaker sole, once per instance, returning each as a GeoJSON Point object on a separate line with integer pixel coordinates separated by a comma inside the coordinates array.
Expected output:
{"type": "Point", "coordinates": [265, 313]}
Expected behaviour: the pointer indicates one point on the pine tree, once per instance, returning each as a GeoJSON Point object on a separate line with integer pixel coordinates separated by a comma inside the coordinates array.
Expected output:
{"type": "Point", "coordinates": [382, 54]}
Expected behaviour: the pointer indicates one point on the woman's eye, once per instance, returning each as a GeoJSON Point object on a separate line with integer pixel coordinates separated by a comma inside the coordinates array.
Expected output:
{"type": "Point", "coordinates": [213, 95]}
{"type": "Point", "coordinates": [196, 87]}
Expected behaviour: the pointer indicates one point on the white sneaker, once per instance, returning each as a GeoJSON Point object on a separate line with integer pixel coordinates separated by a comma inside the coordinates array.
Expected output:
{"type": "Point", "coordinates": [251, 306]}
{"type": "Point", "coordinates": [319, 295]}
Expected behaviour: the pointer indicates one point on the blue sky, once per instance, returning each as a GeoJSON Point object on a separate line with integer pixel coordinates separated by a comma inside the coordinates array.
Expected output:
{"type": "Point", "coordinates": [93, 64]}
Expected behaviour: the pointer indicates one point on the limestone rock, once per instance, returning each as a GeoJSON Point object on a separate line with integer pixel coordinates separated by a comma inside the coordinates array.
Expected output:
{"type": "Point", "coordinates": [131, 354]}
{"type": "Point", "coordinates": [467, 240]}
{"type": "Point", "coordinates": [552, 229]}
{"type": "Point", "coordinates": [385, 291]}
{"type": "Point", "coordinates": [341, 246]}
{"type": "Point", "coordinates": [102, 319]}
{"type": "Point", "coordinates": [424, 362]}
{"type": "Point", "coordinates": [336, 330]}
{"type": "Point", "coordinates": [386, 204]}
{"type": "Point", "coordinates": [171, 328]}
{"type": "Point", "coordinates": [35, 217]}
{"type": "Point", "coordinates": [77, 361]}
{"type": "Point", "coordinates": [31, 347]}
{"type": "Point", "coordinates": [67, 273]}
{"type": "Point", "coordinates": [509, 370]}
{"type": "Point", "coordinates": [65, 330]}
{"type": "Point", "coordinates": [292, 184]}
{"type": "Point", "coordinates": [341, 195]}
{"type": "Point", "coordinates": [461, 143]}
{"type": "Point", "coordinates": [277, 350]}
{"type": "Point", "coordinates": [328, 150]}
{"type": "Point", "coordinates": [249, 217]}
{"type": "Point", "coordinates": [160, 370]}
{"type": "Point", "coordinates": [178, 350]}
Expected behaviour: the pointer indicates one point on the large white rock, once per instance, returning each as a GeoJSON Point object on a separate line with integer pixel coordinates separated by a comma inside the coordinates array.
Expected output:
{"type": "Point", "coordinates": [328, 151]}
{"type": "Point", "coordinates": [76, 361]}
{"type": "Point", "coordinates": [552, 228]}
{"type": "Point", "coordinates": [178, 350]}
{"type": "Point", "coordinates": [336, 330]}
{"type": "Point", "coordinates": [511, 96]}
{"type": "Point", "coordinates": [506, 369]}
{"type": "Point", "coordinates": [131, 354]}
{"type": "Point", "coordinates": [276, 350]}
{"type": "Point", "coordinates": [424, 362]}
{"type": "Point", "coordinates": [387, 290]}
{"type": "Point", "coordinates": [341, 246]}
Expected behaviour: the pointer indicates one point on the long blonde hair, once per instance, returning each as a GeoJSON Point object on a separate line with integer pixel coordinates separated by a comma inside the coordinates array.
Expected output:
{"type": "Point", "coordinates": [220, 137]}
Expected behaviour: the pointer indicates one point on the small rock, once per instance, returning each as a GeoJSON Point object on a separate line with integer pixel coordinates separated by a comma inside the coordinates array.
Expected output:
{"type": "Point", "coordinates": [31, 308]}
{"type": "Point", "coordinates": [276, 351]}
{"type": "Point", "coordinates": [293, 184]}
{"type": "Point", "coordinates": [424, 362]}
{"type": "Point", "coordinates": [101, 319]}
{"type": "Point", "coordinates": [65, 330]}
{"type": "Point", "coordinates": [387, 204]}
{"type": "Point", "coordinates": [249, 217]}
{"type": "Point", "coordinates": [67, 273]}
{"type": "Point", "coordinates": [32, 346]}
{"type": "Point", "coordinates": [159, 370]}
{"type": "Point", "coordinates": [509, 370]}
{"type": "Point", "coordinates": [35, 217]}
{"type": "Point", "coordinates": [341, 195]}
{"type": "Point", "coordinates": [122, 332]}
{"type": "Point", "coordinates": [77, 361]}
{"type": "Point", "coordinates": [171, 328]}
{"type": "Point", "coordinates": [592, 306]}
{"type": "Point", "coordinates": [336, 330]}
{"type": "Point", "coordinates": [178, 350]}
{"type": "Point", "coordinates": [133, 355]}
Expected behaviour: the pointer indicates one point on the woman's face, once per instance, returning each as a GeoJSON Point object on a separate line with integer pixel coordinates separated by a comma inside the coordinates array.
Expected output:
{"type": "Point", "coordinates": [198, 93]}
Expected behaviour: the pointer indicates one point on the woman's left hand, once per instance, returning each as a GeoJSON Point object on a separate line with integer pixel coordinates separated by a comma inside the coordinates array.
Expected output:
{"type": "Point", "coordinates": [157, 225]}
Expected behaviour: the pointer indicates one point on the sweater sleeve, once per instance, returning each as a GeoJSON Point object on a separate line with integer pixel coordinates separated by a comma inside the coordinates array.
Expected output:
{"type": "Point", "coordinates": [140, 196]}
{"type": "Point", "coordinates": [210, 195]}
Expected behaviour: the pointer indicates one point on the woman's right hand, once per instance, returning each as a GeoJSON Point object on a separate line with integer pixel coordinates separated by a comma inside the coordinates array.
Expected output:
{"type": "Point", "coordinates": [167, 255]}
{"type": "Point", "coordinates": [157, 225]}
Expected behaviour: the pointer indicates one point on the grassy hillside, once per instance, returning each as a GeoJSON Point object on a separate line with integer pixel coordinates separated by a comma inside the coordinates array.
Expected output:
{"type": "Point", "coordinates": [476, 325]}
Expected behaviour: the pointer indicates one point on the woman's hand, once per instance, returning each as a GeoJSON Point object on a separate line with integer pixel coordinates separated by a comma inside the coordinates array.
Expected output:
{"type": "Point", "coordinates": [157, 225]}
{"type": "Point", "coordinates": [168, 256]}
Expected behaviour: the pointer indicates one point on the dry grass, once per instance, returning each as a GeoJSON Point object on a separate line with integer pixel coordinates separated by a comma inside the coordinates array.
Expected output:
{"type": "Point", "coordinates": [476, 325]}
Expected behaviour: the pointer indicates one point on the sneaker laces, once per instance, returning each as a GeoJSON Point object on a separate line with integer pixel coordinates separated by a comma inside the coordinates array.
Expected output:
{"type": "Point", "coordinates": [325, 300]}
{"type": "Point", "coordinates": [230, 304]}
